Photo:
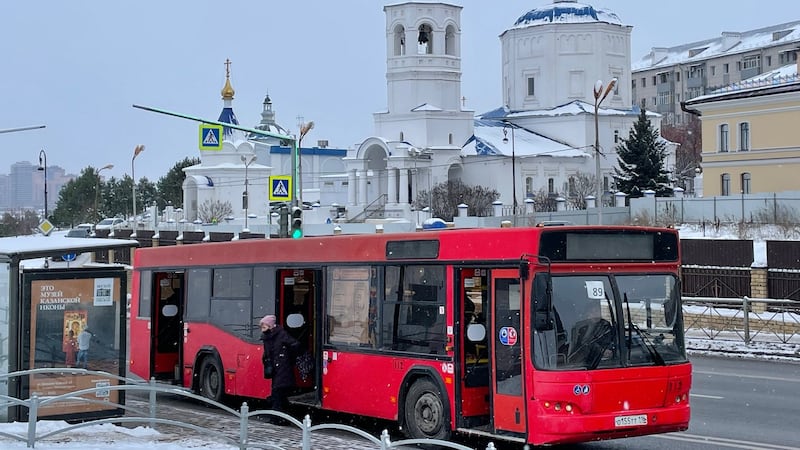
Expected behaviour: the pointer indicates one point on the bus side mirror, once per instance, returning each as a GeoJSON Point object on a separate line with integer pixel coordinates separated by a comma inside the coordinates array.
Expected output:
{"type": "Point", "coordinates": [542, 303]}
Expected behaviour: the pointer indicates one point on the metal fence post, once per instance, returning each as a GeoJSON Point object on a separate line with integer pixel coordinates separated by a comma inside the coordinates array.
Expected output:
{"type": "Point", "coordinates": [33, 412]}
{"type": "Point", "coordinates": [491, 446]}
{"type": "Point", "coordinates": [245, 412]}
{"type": "Point", "coordinates": [151, 404]}
{"type": "Point", "coordinates": [746, 307]}
{"type": "Point", "coordinates": [386, 442]}
{"type": "Point", "coordinates": [306, 433]}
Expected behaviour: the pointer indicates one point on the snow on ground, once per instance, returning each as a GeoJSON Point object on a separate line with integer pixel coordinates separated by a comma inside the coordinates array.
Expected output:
{"type": "Point", "coordinates": [102, 437]}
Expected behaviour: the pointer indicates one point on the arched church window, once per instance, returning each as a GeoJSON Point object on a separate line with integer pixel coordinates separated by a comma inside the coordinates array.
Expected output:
{"type": "Point", "coordinates": [450, 41]}
{"type": "Point", "coordinates": [399, 41]}
{"type": "Point", "coordinates": [425, 40]}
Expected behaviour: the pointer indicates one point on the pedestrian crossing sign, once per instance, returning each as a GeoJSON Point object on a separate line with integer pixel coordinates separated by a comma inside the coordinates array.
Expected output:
{"type": "Point", "coordinates": [280, 188]}
{"type": "Point", "coordinates": [210, 137]}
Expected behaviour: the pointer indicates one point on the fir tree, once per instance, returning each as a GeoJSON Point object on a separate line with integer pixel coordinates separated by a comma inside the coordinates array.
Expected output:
{"type": "Point", "coordinates": [641, 161]}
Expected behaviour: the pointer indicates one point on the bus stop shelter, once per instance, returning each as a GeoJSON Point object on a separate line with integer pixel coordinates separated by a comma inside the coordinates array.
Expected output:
{"type": "Point", "coordinates": [47, 299]}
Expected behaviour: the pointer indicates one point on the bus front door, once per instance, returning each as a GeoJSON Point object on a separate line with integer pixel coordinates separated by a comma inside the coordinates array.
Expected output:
{"type": "Point", "coordinates": [167, 326]}
{"type": "Point", "coordinates": [505, 340]}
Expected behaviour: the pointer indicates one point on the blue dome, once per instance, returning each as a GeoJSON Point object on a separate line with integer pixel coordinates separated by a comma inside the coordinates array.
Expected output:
{"type": "Point", "coordinates": [566, 12]}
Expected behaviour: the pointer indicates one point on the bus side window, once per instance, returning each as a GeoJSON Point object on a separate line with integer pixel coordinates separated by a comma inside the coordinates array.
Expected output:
{"type": "Point", "coordinates": [145, 293]}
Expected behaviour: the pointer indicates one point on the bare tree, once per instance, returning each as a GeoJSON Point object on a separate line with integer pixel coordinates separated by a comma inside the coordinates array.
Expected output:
{"type": "Point", "coordinates": [687, 156]}
{"type": "Point", "coordinates": [444, 199]}
{"type": "Point", "coordinates": [213, 211]}
{"type": "Point", "coordinates": [544, 201]}
{"type": "Point", "coordinates": [582, 185]}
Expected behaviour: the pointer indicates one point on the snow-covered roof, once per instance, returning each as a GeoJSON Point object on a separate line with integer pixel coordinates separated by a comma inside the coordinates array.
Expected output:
{"type": "Point", "coordinates": [566, 11]}
{"type": "Point", "coordinates": [227, 116]}
{"type": "Point", "coordinates": [573, 108]}
{"type": "Point", "coordinates": [488, 136]}
{"type": "Point", "coordinates": [38, 246]}
{"type": "Point", "coordinates": [727, 44]}
{"type": "Point", "coordinates": [782, 79]}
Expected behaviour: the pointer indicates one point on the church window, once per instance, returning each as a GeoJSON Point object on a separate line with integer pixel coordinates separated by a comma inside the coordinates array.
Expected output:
{"type": "Point", "coordinates": [551, 186]}
{"type": "Point", "coordinates": [450, 139]}
{"type": "Point", "coordinates": [529, 186]}
{"type": "Point", "coordinates": [402, 138]}
{"type": "Point", "coordinates": [399, 41]}
{"type": "Point", "coordinates": [531, 86]}
{"type": "Point", "coordinates": [450, 41]}
{"type": "Point", "coordinates": [425, 40]}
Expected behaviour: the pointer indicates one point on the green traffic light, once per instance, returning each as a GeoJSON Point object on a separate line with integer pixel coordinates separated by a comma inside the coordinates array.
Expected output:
{"type": "Point", "coordinates": [297, 233]}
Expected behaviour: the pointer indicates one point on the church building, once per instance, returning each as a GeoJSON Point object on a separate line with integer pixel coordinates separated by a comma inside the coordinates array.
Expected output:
{"type": "Point", "coordinates": [538, 142]}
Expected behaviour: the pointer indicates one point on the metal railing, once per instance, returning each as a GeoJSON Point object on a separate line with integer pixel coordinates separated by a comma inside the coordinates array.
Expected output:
{"type": "Point", "coordinates": [374, 207]}
{"type": "Point", "coordinates": [150, 418]}
{"type": "Point", "coordinates": [747, 319]}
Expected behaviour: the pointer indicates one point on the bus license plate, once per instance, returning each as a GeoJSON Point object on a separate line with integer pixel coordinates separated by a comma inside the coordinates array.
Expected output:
{"type": "Point", "coordinates": [627, 421]}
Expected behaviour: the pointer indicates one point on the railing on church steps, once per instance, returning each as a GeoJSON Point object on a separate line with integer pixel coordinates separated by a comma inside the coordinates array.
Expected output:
{"type": "Point", "coordinates": [374, 207]}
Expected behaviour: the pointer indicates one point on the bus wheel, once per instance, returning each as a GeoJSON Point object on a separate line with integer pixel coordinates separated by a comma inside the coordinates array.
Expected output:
{"type": "Point", "coordinates": [212, 384]}
{"type": "Point", "coordinates": [425, 414]}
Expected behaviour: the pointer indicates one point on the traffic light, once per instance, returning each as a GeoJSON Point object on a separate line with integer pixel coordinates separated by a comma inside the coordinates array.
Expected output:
{"type": "Point", "coordinates": [283, 222]}
{"type": "Point", "coordinates": [297, 222]}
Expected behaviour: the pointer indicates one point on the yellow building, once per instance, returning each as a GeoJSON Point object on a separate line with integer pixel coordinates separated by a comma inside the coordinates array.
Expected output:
{"type": "Point", "coordinates": [751, 135]}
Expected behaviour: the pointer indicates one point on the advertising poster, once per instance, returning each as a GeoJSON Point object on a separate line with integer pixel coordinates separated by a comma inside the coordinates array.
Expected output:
{"type": "Point", "coordinates": [75, 321]}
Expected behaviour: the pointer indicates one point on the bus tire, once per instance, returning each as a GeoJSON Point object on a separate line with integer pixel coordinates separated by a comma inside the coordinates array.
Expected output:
{"type": "Point", "coordinates": [212, 380]}
{"type": "Point", "coordinates": [425, 413]}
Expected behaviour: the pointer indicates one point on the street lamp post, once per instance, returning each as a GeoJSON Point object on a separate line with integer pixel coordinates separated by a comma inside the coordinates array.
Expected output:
{"type": "Point", "coordinates": [599, 96]}
{"type": "Point", "coordinates": [247, 160]}
{"type": "Point", "coordinates": [304, 129]}
{"type": "Point", "coordinates": [43, 167]}
{"type": "Point", "coordinates": [97, 189]}
{"type": "Point", "coordinates": [139, 149]}
{"type": "Point", "coordinates": [513, 163]}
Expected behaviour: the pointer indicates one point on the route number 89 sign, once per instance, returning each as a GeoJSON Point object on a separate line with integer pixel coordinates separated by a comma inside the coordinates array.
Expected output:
{"type": "Point", "coordinates": [595, 290]}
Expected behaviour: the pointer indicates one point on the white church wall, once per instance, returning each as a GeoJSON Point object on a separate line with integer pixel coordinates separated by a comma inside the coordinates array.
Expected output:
{"type": "Point", "coordinates": [565, 59]}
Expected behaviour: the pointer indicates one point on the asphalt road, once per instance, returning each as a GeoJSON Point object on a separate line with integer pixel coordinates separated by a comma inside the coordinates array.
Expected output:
{"type": "Point", "coordinates": [736, 404]}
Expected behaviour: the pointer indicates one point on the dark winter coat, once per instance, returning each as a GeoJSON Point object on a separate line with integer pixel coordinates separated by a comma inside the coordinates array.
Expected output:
{"type": "Point", "coordinates": [281, 347]}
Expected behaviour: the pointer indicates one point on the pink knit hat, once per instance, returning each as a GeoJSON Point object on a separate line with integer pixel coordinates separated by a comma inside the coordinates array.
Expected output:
{"type": "Point", "coordinates": [268, 320]}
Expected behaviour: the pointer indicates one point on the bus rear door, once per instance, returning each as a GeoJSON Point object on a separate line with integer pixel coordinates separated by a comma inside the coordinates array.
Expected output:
{"type": "Point", "coordinates": [167, 326]}
{"type": "Point", "coordinates": [506, 341]}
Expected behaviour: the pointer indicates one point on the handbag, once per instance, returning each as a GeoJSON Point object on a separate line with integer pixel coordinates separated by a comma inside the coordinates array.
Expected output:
{"type": "Point", "coordinates": [268, 368]}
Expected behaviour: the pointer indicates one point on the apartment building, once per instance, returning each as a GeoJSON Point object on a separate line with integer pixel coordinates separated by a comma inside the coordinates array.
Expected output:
{"type": "Point", "coordinates": [665, 77]}
{"type": "Point", "coordinates": [749, 140]}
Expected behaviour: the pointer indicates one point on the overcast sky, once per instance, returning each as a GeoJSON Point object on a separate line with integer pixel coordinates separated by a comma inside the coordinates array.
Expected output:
{"type": "Point", "coordinates": [77, 67]}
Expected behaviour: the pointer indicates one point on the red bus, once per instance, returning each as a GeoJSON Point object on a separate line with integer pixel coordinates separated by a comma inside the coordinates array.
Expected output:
{"type": "Point", "coordinates": [540, 335]}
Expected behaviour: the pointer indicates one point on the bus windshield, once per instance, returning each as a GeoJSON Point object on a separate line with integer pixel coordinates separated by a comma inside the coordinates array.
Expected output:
{"type": "Point", "coordinates": [606, 321]}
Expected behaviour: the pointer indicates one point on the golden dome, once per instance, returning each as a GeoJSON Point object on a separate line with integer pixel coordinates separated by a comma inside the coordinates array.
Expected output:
{"type": "Point", "coordinates": [227, 90]}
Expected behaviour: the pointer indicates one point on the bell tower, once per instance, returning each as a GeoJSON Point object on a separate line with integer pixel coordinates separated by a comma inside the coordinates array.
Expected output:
{"type": "Point", "coordinates": [423, 76]}
{"type": "Point", "coordinates": [423, 52]}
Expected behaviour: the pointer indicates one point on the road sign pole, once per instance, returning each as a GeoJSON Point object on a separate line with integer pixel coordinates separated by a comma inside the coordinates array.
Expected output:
{"type": "Point", "coordinates": [295, 184]}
